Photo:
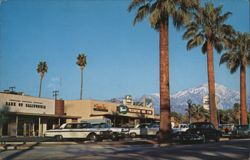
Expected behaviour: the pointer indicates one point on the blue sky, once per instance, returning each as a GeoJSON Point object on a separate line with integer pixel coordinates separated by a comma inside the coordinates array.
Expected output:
{"type": "Point", "coordinates": [122, 58]}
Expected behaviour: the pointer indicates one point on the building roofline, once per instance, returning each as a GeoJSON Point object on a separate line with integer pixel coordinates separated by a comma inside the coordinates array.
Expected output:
{"type": "Point", "coordinates": [43, 115]}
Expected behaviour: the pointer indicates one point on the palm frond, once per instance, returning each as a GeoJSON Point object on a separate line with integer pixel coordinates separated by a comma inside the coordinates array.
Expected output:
{"type": "Point", "coordinates": [197, 40]}
{"type": "Point", "coordinates": [42, 67]}
{"type": "Point", "coordinates": [204, 48]}
{"type": "Point", "coordinates": [190, 33]}
{"type": "Point", "coordinates": [135, 4]}
{"type": "Point", "coordinates": [142, 12]}
{"type": "Point", "coordinates": [224, 58]}
{"type": "Point", "coordinates": [81, 60]}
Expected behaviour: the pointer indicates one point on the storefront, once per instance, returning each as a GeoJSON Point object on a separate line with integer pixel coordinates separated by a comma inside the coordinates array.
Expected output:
{"type": "Point", "coordinates": [31, 116]}
{"type": "Point", "coordinates": [119, 114]}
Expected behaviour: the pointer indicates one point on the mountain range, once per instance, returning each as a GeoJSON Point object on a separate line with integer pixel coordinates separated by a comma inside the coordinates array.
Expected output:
{"type": "Point", "coordinates": [226, 98]}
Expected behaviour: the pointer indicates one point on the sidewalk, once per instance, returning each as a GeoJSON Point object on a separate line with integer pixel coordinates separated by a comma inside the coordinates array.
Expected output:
{"type": "Point", "coordinates": [18, 143]}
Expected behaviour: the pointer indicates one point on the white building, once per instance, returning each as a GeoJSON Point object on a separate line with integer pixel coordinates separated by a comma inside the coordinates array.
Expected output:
{"type": "Point", "coordinates": [205, 101]}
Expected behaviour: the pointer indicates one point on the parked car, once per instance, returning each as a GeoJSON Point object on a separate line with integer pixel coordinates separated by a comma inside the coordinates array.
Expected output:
{"type": "Point", "coordinates": [144, 130]}
{"type": "Point", "coordinates": [180, 128]}
{"type": "Point", "coordinates": [105, 123]}
{"type": "Point", "coordinates": [200, 131]}
{"type": "Point", "coordinates": [83, 131]}
{"type": "Point", "coordinates": [226, 130]}
{"type": "Point", "coordinates": [241, 131]}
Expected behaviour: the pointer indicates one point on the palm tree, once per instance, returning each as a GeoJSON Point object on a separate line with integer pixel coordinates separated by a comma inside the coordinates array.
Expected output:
{"type": "Point", "coordinates": [81, 62]}
{"type": "Point", "coordinates": [208, 29]}
{"type": "Point", "coordinates": [198, 113]}
{"type": "Point", "coordinates": [238, 56]}
{"type": "Point", "coordinates": [42, 68]}
{"type": "Point", "coordinates": [159, 12]}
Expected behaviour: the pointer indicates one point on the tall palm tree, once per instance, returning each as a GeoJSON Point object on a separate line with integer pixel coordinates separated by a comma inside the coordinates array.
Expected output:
{"type": "Point", "coordinates": [81, 62]}
{"type": "Point", "coordinates": [159, 12]}
{"type": "Point", "coordinates": [238, 56]}
{"type": "Point", "coordinates": [208, 29]}
{"type": "Point", "coordinates": [42, 68]}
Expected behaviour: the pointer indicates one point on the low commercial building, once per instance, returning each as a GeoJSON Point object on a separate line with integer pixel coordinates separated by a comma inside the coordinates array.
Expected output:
{"type": "Point", "coordinates": [30, 116]}
{"type": "Point", "coordinates": [119, 114]}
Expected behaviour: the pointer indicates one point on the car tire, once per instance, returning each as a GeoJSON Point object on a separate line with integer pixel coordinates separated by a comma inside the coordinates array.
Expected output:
{"type": "Point", "coordinates": [92, 137]}
{"type": "Point", "coordinates": [133, 135]}
{"type": "Point", "coordinates": [59, 138]}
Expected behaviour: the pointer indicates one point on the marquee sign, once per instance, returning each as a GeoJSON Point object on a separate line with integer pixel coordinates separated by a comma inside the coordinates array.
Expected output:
{"type": "Point", "coordinates": [140, 111]}
{"type": "Point", "coordinates": [124, 110]}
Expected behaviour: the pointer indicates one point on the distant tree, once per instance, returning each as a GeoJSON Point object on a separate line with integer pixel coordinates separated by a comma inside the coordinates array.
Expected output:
{"type": "Point", "coordinates": [208, 29]}
{"type": "Point", "coordinates": [199, 114]}
{"type": "Point", "coordinates": [178, 117]}
{"type": "Point", "coordinates": [238, 56]}
{"type": "Point", "coordinates": [236, 113]}
{"type": "Point", "coordinates": [3, 117]}
{"type": "Point", "coordinates": [81, 62]}
{"type": "Point", "coordinates": [42, 68]}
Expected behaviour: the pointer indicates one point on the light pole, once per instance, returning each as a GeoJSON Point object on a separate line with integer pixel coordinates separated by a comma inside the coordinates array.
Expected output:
{"type": "Point", "coordinates": [189, 102]}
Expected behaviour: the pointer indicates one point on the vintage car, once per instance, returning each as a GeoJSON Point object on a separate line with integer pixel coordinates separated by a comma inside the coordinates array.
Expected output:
{"type": "Point", "coordinates": [180, 128]}
{"type": "Point", "coordinates": [144, 130]}
{"type": "Point", "coordinates": [84, 131]}
{"type": "Point", "coordinates": [105, 124]}
{"type": "Point", "coordinates": [241, 131]}
{"type": "Point", "coordinates": [200, 132]}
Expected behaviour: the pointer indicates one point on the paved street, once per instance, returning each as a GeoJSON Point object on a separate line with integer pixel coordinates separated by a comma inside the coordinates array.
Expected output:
{"type": "Point", "coordinates": [235, 149]}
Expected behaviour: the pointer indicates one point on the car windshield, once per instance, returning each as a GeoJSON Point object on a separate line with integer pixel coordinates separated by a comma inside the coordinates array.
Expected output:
{"type": "Point", "coordinates": [101, 125]}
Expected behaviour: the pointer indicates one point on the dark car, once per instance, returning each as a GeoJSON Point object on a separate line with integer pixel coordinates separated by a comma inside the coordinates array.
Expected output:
{"type": "Point", "coordinates": [200, 132]}
{"type": "Point", "coordinates": [241, 131]}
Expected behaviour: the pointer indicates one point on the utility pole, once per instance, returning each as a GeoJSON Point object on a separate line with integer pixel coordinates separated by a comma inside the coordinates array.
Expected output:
{"type": "Point", "coordinates": [55, 94]}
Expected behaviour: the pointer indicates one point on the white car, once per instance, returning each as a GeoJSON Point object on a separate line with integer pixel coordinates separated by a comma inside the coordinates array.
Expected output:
{"type": "Point", "coordinates": [78, 131]}
{"type": "Point", "coordinates": [144, 130]}
{"type": "Point", "coordinates": [180, 128]}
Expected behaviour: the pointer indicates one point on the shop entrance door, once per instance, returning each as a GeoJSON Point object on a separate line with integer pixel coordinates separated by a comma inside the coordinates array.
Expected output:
{"type": "Point", "coordinates": [29, 129]}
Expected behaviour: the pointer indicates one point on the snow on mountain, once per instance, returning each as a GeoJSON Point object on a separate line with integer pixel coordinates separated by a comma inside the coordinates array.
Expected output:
{"type": "Point", "coordinates": [226, 97]}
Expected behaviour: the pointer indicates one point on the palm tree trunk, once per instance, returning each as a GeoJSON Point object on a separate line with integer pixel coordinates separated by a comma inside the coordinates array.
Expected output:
{"type": "Point", "coordinates": [40, 86]}
{"type": "Point", "coordinates": [211, 84]}
{"type": "Point", "coordinates": [243, 102]}
{"type": "Point", "coordinates": [81, 83]}
{"type": "Point", "coordinates": [165, 122]}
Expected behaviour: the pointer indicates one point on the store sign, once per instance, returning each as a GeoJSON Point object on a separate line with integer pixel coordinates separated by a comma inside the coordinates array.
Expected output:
{"type": "Point", "coordinates": [18, 103]}
{"type": "Point", "coordinates": [100, 107]}
{"type": "Point", "coordinates": [140, 111]}
{"type": "Point", "coordinates": [122, 109]}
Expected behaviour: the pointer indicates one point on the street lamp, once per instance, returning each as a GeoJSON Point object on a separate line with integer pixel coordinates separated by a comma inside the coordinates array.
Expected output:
{"type": "Point", "coordinates": [189, 102]}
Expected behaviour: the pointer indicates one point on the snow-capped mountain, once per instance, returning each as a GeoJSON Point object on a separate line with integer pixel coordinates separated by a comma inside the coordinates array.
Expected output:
{"type": "Point", "coordinates": [226, 97]}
